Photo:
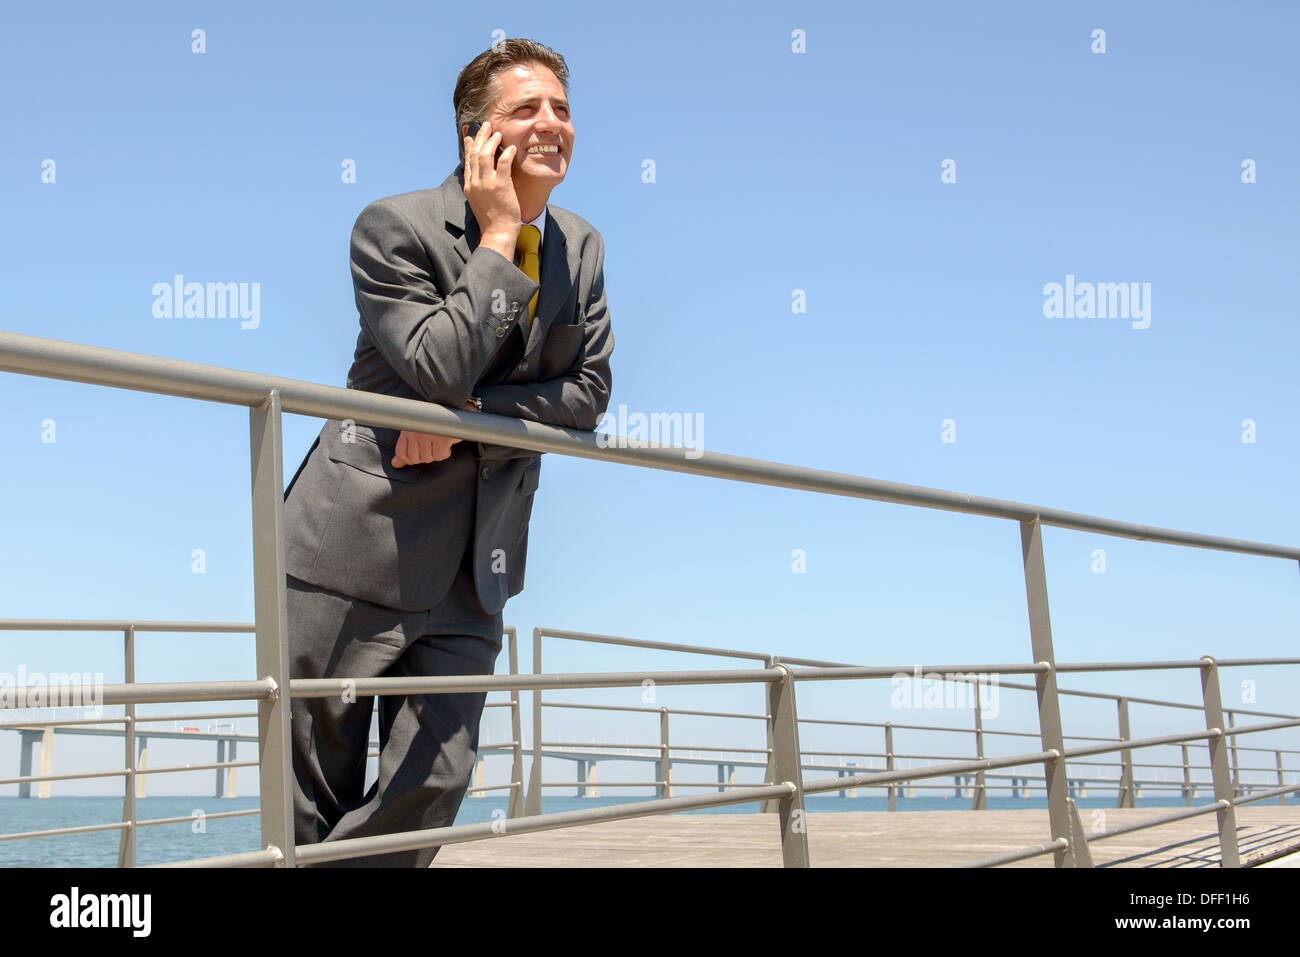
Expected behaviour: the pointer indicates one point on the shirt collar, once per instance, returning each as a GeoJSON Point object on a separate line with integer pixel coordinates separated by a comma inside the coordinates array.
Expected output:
{"type": "Point", "coordinates": [540, 223]}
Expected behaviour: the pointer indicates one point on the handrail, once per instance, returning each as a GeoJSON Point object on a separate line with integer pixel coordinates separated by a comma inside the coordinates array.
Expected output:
{"type": "Point", "coordinates": [96, 365]}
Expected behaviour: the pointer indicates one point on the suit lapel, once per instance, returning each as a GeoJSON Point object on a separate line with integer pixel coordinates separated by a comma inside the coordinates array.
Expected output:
{"type": "Point", "coordinates": [558, 267]}
{"type": "Point", "coordinates": [460, 218]}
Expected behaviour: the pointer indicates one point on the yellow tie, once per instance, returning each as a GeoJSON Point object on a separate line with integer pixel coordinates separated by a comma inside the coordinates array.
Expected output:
{"type": "Point", "coordinates": [530, 239]}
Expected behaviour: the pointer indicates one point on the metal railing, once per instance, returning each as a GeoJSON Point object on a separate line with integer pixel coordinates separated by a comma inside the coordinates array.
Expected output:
{"type": "Point", "coordinates": [661, 752]}
{"type": "Point", "coordinates": [133, 739]}
{"type": "Point", "coordinates": [587, 754]}
{"type": "Point", "coordinates": [268, 397]}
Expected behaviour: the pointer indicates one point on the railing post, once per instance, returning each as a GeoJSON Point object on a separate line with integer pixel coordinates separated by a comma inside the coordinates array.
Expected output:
{"type": "Point", "coordinates": [1125, 797]}
{"type": "Point", "coordinates": [1049, 713]}
{"type": "Point", "coordinates": [230, 756]}
{"type": "Point", "coordinates": [45, 788]}
{"type": "Point", "coordinates": [219, 785]}
{"type": "Point", "coordinates": [889, 762]}
{"type": "Point", "coordinates": [516, 803]}
{"type": "Point", "coordinates": [979, 803]}
{"type": "Point", "coordinates": [665, 761]}
{"type": "Point", "coordinates": [534, 804]}
{"type": "Point", "coordinates": [769, 805]}
{"type": "Point", "coordinates": [275, 771]}
{"type": "Point", "coordinates": [1281, 798]}
{"type": "Point", "coordinates": [787, 755]}
{"type": "Point", "coordinates": [1187, 779]}
{"type": "Point", "coordinates": [1229, 855]}
{"type": "Point", "coordinates": [27, 740]}
{"type": "Point", "coordinates": [1079, 851]}
{"type": "Point", "coordinates": [1232, 751]}
{"type": "Point", "coordinates": [126, 844]}
{"type": "Point", "coordinates": [141, 762]}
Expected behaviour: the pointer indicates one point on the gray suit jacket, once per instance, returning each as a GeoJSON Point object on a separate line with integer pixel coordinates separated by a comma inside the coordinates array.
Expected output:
{"type": "Point", "coordinates": [443, 318]}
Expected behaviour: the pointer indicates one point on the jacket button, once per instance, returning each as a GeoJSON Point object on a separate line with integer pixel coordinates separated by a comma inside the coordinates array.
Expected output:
{"type": "Point", "coordinates": [486, 473]}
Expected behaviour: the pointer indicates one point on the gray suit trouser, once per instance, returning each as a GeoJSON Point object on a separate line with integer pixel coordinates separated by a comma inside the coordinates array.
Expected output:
{"type": "Point", "coordinates": [427, 743]}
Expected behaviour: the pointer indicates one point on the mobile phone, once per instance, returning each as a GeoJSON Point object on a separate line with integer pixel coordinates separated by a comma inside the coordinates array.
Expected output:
{"type": "Point", "coordinates": [473, 132]}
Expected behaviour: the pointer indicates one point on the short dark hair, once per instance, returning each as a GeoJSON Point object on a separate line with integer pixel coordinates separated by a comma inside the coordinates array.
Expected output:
{"type": "Point", "coordinates": [477, 87]}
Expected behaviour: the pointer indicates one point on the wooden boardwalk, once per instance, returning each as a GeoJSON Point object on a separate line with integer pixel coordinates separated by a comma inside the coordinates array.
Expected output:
{"type": "Point", "coordinates": [877, 839]}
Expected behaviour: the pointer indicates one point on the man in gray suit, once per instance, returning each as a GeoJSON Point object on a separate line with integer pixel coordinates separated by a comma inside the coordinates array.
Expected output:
{"type": "Point", "coordinates": [403, 548]}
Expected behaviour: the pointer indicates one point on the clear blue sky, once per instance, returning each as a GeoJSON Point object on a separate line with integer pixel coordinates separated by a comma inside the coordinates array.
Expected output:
{"type": "Point", "coordinates": [775, 171]}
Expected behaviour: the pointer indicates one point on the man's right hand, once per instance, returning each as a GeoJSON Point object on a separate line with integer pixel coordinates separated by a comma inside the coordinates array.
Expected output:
{"type": "Point", "coordinates": [415, 448]}
{"type": "Point", "coordinates": [491, 193]}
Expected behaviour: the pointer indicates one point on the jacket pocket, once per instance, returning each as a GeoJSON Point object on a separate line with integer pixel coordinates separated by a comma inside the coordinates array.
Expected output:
{"type": "Point", "coordinates": [532, 476]}
{"type": "Point", "coordinates": [367, 455]}
{"type": "Point", "coordinates": [560, 348]}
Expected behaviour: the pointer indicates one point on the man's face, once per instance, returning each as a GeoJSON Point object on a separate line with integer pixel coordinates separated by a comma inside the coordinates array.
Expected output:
{"type": "Point", "coordinates": [531, 111]}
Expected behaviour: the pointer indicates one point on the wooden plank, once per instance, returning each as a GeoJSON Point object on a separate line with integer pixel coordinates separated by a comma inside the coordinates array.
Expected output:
{"type": "Point", "coordinates": [874, 839]}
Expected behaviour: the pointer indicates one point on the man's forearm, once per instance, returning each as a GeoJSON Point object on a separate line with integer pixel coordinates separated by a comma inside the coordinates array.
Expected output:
{"type": "Point", "coordinates": [571, 402]}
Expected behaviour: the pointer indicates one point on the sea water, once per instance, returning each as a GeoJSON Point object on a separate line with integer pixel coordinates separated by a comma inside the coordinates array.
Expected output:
{"type": "Point", "coordinates": [200, 835]}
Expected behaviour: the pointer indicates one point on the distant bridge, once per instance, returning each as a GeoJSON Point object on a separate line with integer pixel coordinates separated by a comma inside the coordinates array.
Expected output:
{"type": "Point", "coordinates": [38, 737]}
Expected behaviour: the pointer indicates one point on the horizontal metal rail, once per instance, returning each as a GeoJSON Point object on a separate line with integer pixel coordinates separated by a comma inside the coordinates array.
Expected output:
{"type": "Point", "coordinates": [1037, 850]}
{"type": "Point", "coordinates": [457, 834]}
{"type": "Point", "coordinates": [654, 710]}
{"type": "Point", "coordinates": [845, 672]}
{"type": "Point", "coordinates": [1073, 692]}
{"type": "Point", "coordinates": [1159, 819]}
{"type": "Point", "coordinates": [271, 857]}
{"type": "Point", "coordinates": [119, 825]}
{"type": "Point", "coordinates": [330, 687]}
{"type": "Point", "coordinates": [66, 777]}
{"type": "Point", "coordinates": [67, 722]}
{"type": "Point", "coordinates": [837, 674]}
{"type": "Point", "coordinates": [1265, 795]}
{"type": "Point", "coordinates": [62, 831]}
{"type": "Point", "coordinates": [169, 769]}
{"type": "Point", "coordinates": [946, 770]}
{"type": "Point", "coordinates": [932, 771]}
{"type": "Point", "coordinates": [41, 725]}
{"type": "Point", "coordinates": [656, 645]}
{"type": "Point", "coordinates": [109, 624]}
{"type": "Point", "coordinates": [464, 833]}
{"type": "Point", "coordinates": [1142, 825]}
{"type": "Point", "coordinates": [154, 693]}
{"type": "Point", "coordinates": [95, 365]}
